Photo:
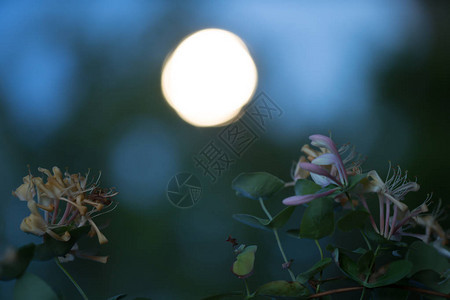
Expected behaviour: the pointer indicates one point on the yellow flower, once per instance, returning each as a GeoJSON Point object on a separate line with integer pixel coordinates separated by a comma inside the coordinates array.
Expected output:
{"type": "Point", "coordinates": [66, 201]}
{"type": "Point", "coordinates": [25, 192]}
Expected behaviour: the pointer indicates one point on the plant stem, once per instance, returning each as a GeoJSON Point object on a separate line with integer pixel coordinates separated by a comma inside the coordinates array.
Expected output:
{"type": "Point", "coordinates": [333, 279]}
{"type": "Point", "coordinates": [246, 289]}
{"type": "Point", "coordinates": [372, 263]}
{"type": "Point", "coordinates": [402, 287]}
{"type": "Point", "coordinates": [366, 240]}
{"type": "Point", "coordinates": [261, 202]}
{"type": "Point", "coordinates": [336, 291]}
{"type": "Point", "coordinates": [321, 258]}
{"type": "Point", "coordinates": [275, 232]}
{"type": "Point", "coordinates": [287, 184]}
{"type": "Point", "coordinates": [362, 294]}
{"type": "Point", "coordinates": [71, 279]}
{"type": "Point", "coordinates": [320, 249]}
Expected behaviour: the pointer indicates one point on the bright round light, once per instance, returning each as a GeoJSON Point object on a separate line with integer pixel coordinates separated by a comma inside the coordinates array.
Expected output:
{"type": "Point", "coordinates": [209, 77]}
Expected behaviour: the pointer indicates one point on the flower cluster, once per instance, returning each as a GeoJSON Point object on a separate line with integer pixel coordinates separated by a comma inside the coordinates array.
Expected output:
{"type": "Point", "coordinates": [67, 201]}
{"type": "Point", "coordinates": [338, 173]}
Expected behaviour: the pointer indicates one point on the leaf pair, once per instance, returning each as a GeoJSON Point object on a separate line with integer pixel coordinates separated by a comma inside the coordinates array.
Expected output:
{"type": "Point", "coordinates": [257, 185]}
{"type": "Point", "coordinates": [278, 221]}
{"type": "Point", "coordinates": [358, 271]}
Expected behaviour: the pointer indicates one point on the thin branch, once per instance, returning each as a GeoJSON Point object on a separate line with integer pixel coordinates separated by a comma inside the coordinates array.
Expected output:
{"type": "Point", "coordinates": [395, 286]}
{"type": "Point", "coordinates": [336, 291]}
{"type": "Point", "coordinates": [419, 290]}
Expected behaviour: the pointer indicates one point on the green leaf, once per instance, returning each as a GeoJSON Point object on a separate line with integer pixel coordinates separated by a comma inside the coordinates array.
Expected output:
{"type": "Point", "coordinates": [360, 250]}
{"type": "Point", "coordinates": [426, 257]}
{"type": "Point", "coordinates": [281, 288]}
{"type": "Point", "coordinates": [16, 262]}
{"type": "Point", "coordinates": [354, 219]}
{"type": "Point", "coordinates": [278, 221]}
{"type": "Point", "coordinates": [434, 281]}
{"type": "Point", "coordinates": [364, 262]}
{"type": "Point", "coordinates": [306, 187]}
{"type": "Point", "coordinates": [391, 273]}
{"type": "Point", "coordinates": [318, 219]}
{"type": "Point", "coordinates": [319, 266]}
{"type": "Point", "coordinates": [252, 221]}
{"type": "Point", "coordinates": [396, 270]}
{"type": "Point", "coordinates": [294, 233]}
{"type": "Point", "coordinates": [51, 248]}
{"type": "Point", "coordinates": [30, 286]}
{"type": "Point", "coordinates": [117, 297]}
{"type": "Point", "coordinates": [354, 180]}
{"type": "Point", "coordinates": [257, 185]}
{"type": "Point", "coordinates": [243, 266]}
{"type": "Point", "coordinates": [379, 239]}
{"type": "Point", "coordinates": [282, 217]}
{"type": "Point", "coordinates": [224, 296]}
{"type": "Point", "coordinates": [347, 265]}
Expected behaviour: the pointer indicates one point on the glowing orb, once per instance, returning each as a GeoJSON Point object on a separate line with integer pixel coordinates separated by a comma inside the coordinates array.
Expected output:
{"type": "Point", "coordinates": [209, 77]}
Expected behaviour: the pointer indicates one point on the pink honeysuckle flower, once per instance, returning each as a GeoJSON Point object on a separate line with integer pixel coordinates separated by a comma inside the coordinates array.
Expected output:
{"type": "Point", "coordinates": [319, 140]}
{"type": "Point", "coordinates": [298, 200]}
{"type": "Point", "coordinates": [320, 176]}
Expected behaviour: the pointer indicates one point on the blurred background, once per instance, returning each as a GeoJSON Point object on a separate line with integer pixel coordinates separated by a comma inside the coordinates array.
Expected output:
{"type": "Point", "coordinates": [80, 87]}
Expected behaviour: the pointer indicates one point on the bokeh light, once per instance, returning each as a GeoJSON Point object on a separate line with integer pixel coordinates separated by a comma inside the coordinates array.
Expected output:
{"type": "Point", "coordinates": [209, 77]}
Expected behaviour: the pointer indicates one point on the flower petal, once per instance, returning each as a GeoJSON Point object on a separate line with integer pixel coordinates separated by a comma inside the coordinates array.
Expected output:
{"type": "Point", "coordinates": [319, 171]}
{"type": "Point", "coordinates": [321, 180]}
{"type": "Point", "coordinates": [319, 140]}
{"type": "Point", "coordinates": [298, 200]}
{"type": "Point", "coordinates": [324, 141]}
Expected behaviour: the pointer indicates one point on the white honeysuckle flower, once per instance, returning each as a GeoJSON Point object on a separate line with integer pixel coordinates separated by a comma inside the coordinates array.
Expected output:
{"type": "Point", "coordinates": [393, 189]}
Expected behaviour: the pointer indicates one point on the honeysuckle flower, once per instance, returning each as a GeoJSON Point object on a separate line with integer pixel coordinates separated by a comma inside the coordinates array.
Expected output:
{"type": "Point", "coordinates": [320, 175]}
{"type": "Point", "coordinates": [325, 167]}
{"type": "Point", "coordinates": [26, 191]}
{"type": "Point", "coordinates": [36, 225]}
{"type": "Point", "coordinates": [431, 224]}
{"type": "Point", "coordinates": [299, 200]}
{"type": "Point", "coordinates": [300, 173]}
{"type": "Point", "coordinates": [75, 252]}
{"type": "Point", "coordinates": [392, 189]}
{"type": "Point", "coordinates": [339, 163]}
{"type": "Point", "coordinates": [66, 200]}
{"type": "Point", "coordinates": [333, 159]}
{"type": "Point", "coordinates": [311, 154]}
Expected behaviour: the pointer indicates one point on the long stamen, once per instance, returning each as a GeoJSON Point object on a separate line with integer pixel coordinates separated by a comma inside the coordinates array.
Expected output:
{"type": "Point", "coordinates": [73, 216]}
{"type": "Point", "coordinates": [82, 209]}
{"type": "Point", "coordinates": [388, 212]}
{"type": "Point", "coordinates": [55, 212]}
{"type": "Point", "coordinates": [394, 219]}
{"type": "Point", "coordinates": [98, 206]}
{"type": "Point", "coordinates": [372, 221]}
{"type": "Point", "coordinates": [66, 213]}
{"type": "Point", "coordinates": [381, 205]}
